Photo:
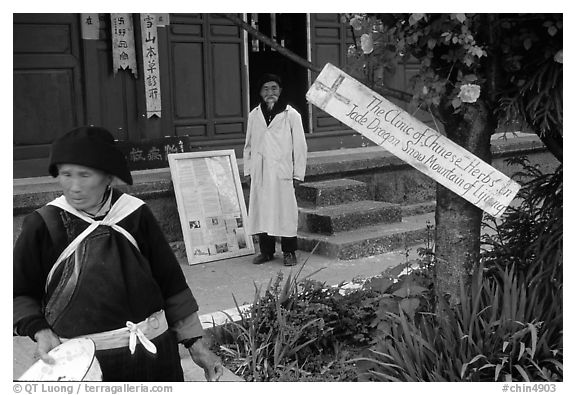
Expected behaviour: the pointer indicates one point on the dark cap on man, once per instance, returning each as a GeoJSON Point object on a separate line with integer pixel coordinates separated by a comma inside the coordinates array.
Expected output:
{"type": "Point", "coordinates": [267, 78]}
{"type": "Point", "coordinates": [89, 146]}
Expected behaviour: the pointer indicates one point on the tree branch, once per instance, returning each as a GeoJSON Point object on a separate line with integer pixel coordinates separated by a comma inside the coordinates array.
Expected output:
{"type": "Point", "coordinates": [271, 43]}
{"type": "Point", "coordinates": [387, 92]}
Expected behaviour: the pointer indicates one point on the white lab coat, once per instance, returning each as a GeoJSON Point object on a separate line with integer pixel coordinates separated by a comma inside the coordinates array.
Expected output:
{"type": "Point", "coordinates": [273, 156]}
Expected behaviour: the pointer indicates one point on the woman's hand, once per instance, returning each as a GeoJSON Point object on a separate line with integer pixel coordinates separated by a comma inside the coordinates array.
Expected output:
{"type": "Point", "coordinates": [46, 340]}
{"type": "Point", "coordinates": [207, 360]}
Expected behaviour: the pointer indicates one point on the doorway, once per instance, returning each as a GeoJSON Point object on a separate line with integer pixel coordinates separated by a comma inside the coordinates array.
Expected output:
{"type": "Point", "coordinates": [290, 31]}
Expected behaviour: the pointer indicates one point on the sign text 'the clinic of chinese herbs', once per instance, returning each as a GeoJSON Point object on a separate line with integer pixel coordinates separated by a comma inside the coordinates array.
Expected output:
{"type": "Point", "coordinates": [387, 125]}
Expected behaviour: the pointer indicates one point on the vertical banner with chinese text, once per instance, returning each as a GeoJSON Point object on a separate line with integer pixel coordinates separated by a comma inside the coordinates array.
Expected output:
{"type": "Point", "coordinates": [162, 20]}
{"type": "Point", "coordinates": [149, 30]}
{"type": "Point", "coordinates": [123, 51]}
{"type": "Point", "coordinates": [90, 26]}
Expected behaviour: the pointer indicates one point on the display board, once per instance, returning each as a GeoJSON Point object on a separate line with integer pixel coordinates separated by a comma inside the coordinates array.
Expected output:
{"type": "Point", "coordinates": [210, 205]}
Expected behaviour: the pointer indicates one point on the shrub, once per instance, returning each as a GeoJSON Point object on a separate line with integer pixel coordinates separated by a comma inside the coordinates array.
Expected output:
{"type": "Point", "coordinates": [529, 238]}
{"type": "Point", "coordinates": [294, 331]}
{"type": "Point", "coordinates": [508, 325]}
{"type": "Point", "coordinates": [491, 336]}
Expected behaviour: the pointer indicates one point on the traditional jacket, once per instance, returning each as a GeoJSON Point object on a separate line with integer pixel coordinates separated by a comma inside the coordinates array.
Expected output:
{"type": "Point", "coordinates": [113, 291]}
{"type": "Point", "coordinates": [274, 155]}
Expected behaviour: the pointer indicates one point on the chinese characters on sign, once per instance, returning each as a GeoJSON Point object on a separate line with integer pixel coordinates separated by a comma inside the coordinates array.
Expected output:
{"type": "Point", "coordinates": [123, 51]}
{"type": "Point", "coordinates": [162, 20]}
{"type": "Point", "coordinates": [151, 66]}
{"type": "Point", "coordinates": [412, 141]}
{"type": "Point", "coordinates": [90, 26]}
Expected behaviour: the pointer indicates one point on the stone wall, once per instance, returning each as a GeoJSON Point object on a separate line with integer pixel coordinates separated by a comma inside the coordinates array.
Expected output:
{"type": "Point", "coordinates": [388, 179]}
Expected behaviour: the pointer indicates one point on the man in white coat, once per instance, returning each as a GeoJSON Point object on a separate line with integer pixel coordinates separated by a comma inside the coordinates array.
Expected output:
{"type": "Point", "coordinates": [275, 154]}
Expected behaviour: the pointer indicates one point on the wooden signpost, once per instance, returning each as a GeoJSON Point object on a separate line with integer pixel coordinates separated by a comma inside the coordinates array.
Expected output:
{"type": "Point", "coordinates": [411, 140]}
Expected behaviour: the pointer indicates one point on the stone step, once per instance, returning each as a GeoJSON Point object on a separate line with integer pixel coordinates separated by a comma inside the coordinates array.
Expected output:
{"type": "Point", "coordinates": [370, 240]}
{"type": "Point", "coordinates": [343, 217]}
{"type": "Point", "coordinates": [331, 192]}
{"type": "Point", "coordinates": [418, 208]}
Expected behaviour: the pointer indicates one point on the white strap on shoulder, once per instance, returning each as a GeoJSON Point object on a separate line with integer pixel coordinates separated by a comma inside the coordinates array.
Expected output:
{"type": "Point", "coordinates": [124, 206]}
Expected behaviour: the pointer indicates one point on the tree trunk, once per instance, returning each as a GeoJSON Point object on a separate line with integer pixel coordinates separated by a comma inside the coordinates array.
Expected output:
{"type": "Point", "coordinates": [458, 221]}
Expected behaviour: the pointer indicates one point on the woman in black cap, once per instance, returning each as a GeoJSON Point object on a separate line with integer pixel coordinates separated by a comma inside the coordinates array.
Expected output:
{"type": "Point", "coordinates": [94, 263]}
{"type": "Point", "coordinates": [275, 153]}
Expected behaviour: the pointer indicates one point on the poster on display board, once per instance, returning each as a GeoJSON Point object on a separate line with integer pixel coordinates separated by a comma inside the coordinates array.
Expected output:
{"type": "Point", "coordinates": [211, 205]}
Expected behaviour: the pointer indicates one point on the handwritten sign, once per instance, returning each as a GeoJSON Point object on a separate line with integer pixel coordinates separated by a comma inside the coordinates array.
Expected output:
{"type": "Point", "coordinates": [210, 205]}
{"type": "Point", "coordinates": [411, 140]}
{"type": "Point", "coordinates": [123, 51]}
{"type": "Point", "coordinates": [149, 30]}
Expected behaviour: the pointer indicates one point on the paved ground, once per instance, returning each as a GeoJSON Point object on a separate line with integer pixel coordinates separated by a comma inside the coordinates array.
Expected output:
{"type": "Point", "coordinates": [214, 285]}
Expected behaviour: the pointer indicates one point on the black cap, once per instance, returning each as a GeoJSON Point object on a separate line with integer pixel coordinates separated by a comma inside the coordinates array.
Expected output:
{"type": "Point", "coordinates": [89, 146]}
{"type": "Point", "coordinates": [267, 78]}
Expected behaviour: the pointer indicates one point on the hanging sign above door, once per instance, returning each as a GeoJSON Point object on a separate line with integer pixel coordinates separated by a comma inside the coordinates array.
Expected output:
{"type": "Point", "coordinates": [151, 65]}
{"type": "Point", "coordinates": [90, 26]}
{"type": "Point", "coordinates": [123, 51]}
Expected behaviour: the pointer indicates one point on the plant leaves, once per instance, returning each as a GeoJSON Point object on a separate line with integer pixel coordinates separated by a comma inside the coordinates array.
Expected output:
{"type": "Point", "coordinates": [409, 305]}
{"type": "Point", "coordinates": [465, 365]}
{"type": "Point", "coordinates": [461, 17]}
{"type": "Point", "coordinates": [379, 284]}
{"type": "Point", "coordinates": [409, 290]}
{"type": "Point", "coordinates": [522, 349]}
{"type": "Point", "coordinates": [522, 372]}
{"type": "Point", "coordinates": [395, 271]}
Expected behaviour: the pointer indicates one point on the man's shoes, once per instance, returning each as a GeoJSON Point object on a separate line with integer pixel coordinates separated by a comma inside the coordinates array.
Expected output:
{"type": "Point", "coordinates": [262, 258]}
{"type": "Point", "coordinates": [290, 259]}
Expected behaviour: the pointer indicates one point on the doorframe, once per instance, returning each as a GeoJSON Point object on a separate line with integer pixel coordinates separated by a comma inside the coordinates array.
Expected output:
{"type": "Point", "coordinates": [246, 73]}
{"type": "Point", "coordinates": [246, 44]}
{"type": "Point", "coordinates": [309, 72]}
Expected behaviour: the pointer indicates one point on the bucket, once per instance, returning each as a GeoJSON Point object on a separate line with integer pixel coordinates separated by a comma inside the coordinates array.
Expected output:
{"type": "Point", "coordinates": [75, 361]}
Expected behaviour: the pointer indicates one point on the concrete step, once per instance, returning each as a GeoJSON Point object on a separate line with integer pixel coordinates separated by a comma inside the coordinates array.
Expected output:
{"type": "Point", "coordinates": [370, 240]}
{"type": "Point", "coordinates": [332, 219]}
{"type": "Point", "coordinates": [331, 192]}
{"type": "Point", "coordinates": [418, 208]}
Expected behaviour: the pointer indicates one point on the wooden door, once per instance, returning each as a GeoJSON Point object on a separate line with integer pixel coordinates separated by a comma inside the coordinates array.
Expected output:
{"type": "Point", "coordinates": [207, 79]}
{"type": "Point", "coordinates": [47, 87]}
{"type": "Point", "coordinates": [329, 40]}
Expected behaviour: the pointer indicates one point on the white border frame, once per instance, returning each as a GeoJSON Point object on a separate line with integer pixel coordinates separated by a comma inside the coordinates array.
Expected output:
{"type": "Point", "coordinates": [172, 161]}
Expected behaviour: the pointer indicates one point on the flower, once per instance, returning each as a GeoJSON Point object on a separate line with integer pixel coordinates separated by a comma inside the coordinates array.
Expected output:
{"type": "Point", "coordinates": [367, 43]}
{"type": "Point", "coordinates": [356, 23]}
{"type": "Point", "coordinates": [351, 50]}
{"type": "Point", "coordinates": [558, 57]}
{"type": "Point", "coordinates": [469, 93]}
